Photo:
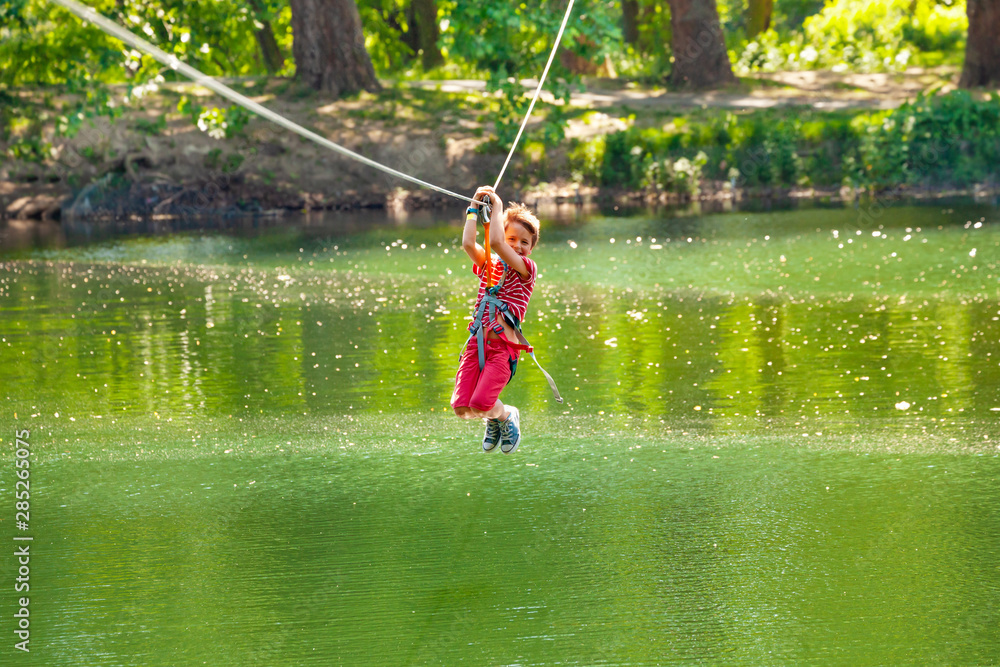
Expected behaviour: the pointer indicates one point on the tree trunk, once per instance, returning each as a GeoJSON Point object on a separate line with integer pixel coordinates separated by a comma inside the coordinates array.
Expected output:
{"type": "Point", "coordinates": [410, 36]}
{"type": "Point", "coordinates": [426, 25]}
{"type": "Point", "coordinates": [758, 16]}
{"type": "Point", "coordinates": [269, 50]}
{"type": "Point", "coordinates": [982, 49]}
{"type": "Point", "coordinates": [700, 58]}
{"type": "Point", "coordinates": [630, 22]}
{"type": "Point", "coordinates": [329, 47]}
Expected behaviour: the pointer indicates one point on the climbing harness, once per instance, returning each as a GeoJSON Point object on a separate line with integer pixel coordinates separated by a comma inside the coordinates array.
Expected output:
{"type": "Point", "coordinates": [493, 306]}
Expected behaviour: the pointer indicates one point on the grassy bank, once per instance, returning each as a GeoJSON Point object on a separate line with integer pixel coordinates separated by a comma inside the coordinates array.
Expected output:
{"type": "Point", "coordinates": [175, 154]}
{"type": "Point", "coordinates": [947, 141]}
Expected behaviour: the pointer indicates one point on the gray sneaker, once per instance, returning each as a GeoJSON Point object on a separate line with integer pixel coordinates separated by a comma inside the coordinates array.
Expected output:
{"type": "Point", "coordinates": [492, 437]}
{"type": "Point", "coordinates": [510, 431]}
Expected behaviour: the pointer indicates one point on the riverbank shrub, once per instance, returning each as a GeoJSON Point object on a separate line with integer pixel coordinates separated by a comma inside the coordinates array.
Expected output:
{"type": "Point", "coordinates": [682, 176]}
{"type": "Point", "coordinates": [951, 139]}
{"type": "Point", "coordinates": [860, 36]}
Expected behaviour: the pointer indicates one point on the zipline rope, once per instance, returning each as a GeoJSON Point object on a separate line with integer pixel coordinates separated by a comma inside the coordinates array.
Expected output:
{"type": "Point", "coordinates": [88, 14]}
{"type": "Point", "coordinates": [91, 15]}
{"type": "Point", "coordinates": [538, 89]}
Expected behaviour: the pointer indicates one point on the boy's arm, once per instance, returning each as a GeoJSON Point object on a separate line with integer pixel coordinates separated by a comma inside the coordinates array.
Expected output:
{"type": "Point", "coordinates": [506, 253]}
{"type": "Point", "coordinates": [469, 245]}
{"type": "Point", "coordinates": [497, 241]}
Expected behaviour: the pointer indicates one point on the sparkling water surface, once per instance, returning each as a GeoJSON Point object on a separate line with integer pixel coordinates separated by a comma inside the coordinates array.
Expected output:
{"type": "Point", "coordinates": [779, 445]}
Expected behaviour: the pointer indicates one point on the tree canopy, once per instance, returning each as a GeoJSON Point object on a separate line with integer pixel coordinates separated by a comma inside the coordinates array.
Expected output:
{"type": "Point", "coordinates": [495, 40]}
{"type": "Point", "coordinates": [492, 39]}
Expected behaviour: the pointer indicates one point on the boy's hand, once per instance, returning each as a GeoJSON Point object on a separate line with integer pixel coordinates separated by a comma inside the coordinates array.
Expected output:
{"type": "Point", "coordinates": [495, 201]}
{"type": "Point", "coordinates": [476, 252]}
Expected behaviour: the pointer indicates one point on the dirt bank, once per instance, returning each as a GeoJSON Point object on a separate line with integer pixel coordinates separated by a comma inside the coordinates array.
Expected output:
{"type": "Point", "coordinates": [153, 162]}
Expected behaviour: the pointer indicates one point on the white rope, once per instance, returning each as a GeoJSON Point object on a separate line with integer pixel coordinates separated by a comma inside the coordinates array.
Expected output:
{"type": "Point", "coordinates": [171, 61]}
{"type": "Point", "coordinates": [541, 81]}
{"type": "Point", "coordinates": [89, 14]}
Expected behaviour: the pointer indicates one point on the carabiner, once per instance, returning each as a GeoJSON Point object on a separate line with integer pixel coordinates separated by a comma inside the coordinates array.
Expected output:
{"type": "Point", "coordinates": [485, 210]}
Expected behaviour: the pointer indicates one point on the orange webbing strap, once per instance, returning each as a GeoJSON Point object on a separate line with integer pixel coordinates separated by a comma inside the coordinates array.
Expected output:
{"type": "Point", "coordinates": [488, 266]}
{"type": "Point", "coordinates": [485, 212]}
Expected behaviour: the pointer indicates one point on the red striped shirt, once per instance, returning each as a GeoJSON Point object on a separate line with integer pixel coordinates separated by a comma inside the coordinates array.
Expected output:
{"type": "Point", "coordinates": [515, 291]}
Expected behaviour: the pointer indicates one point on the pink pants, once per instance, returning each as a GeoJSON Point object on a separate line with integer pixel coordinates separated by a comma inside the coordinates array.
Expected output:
{"type": "Point", "coordinates": [477, 389]}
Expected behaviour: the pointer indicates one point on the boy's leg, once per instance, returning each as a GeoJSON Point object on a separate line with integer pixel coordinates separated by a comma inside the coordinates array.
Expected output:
{"type": "Point", "coordinates": [485, 400]}
{"type": "Point", "coordinates": [510, 431]}
{"type": "Point", "coordinates": [466, 379]}
{"type": "Point", "coordinates": [498, 411]}
{"type": "Point", "coordinates": [495, 376]}
{"type": "Point", "coordinates": [474, 387]}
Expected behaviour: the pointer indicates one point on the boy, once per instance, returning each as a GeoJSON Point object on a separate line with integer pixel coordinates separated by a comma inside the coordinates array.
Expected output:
{"type": "Point", "coordinates": [489, 360]}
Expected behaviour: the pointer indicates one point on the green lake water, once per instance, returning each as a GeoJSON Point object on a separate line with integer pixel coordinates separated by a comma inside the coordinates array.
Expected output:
{"type": "Point", "coordinates": [779, 445]}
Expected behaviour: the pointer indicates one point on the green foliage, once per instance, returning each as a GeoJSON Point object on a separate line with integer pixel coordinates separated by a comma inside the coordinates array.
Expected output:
{"type": "Point", "coordinates": [29, 147]}
{"type": "Point", "coordinates": [385, 22]}
{"type": "Point", "coordinates": [21, 128]}
{"type": "Point", "coordinates": [152, 127]}
{"type": "Point", "coordinates": [682, 176]}
{"type": "Point", "coordinates": [623, 160]}
{"type": "Point", "coordinates": [953, 138]}
{"type": "Point", "coordinates": [762, 146]}
{"type": "Point", "coordinates": [648, 60]}
{"type": "Point", "coordinates": [214, 160]}
{"type": "Point", "coordinates": [233, 162]}
{"type": "Point", "coordinates": [217, 123]}
{"type": "Point", "coordinates": [790, 15]}
{"type": "Point", "coordinates": [223, 123]}
{"type": "Point", "coordinates": [44, 45]}
{"type": "Point", "coordinates": [512, 41]}
{"type": "Point", "coordinates": [48, 45]}
{"type": "Point", "coordinates": [950, 139]}
{"type": "Point", "coordinates": [586, 160]}
{"type": "Point", "coordinates": [862, 36]}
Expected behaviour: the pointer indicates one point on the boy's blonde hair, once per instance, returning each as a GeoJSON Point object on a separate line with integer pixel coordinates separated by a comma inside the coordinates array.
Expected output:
{"type": "Point", "coordinates": [519, 213]}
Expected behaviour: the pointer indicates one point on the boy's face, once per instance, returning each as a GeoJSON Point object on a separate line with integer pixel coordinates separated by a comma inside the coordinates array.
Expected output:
{"type": "Point", "coordinates": [518, 238]}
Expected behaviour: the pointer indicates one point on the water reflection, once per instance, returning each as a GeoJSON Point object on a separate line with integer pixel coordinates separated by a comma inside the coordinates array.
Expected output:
{"type": "Point", "coordinates": [248, 457]}
{"type": "Point", "coordinates": [230, 326]}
